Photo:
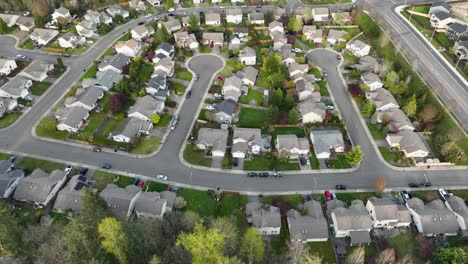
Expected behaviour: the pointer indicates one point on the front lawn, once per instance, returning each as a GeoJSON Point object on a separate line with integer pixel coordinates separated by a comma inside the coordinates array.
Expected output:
{"type": "Point", "coordinates": [183, 75]}
{"type": "Point", "coordinates": [340, 162]}
{"type": "Point", "coordinates": [103, 178]}
{"type": "Point", "coordinates": [164, 121]}
{"type": "Point", "coordinates": [151, 186]}
{"type": "Point", "coordinates": [324, 250]}
{"type": "Point", "coordinates": [375, 132]}
{"type": "Point", "coordinates": [205, 114]}
{"type": "Point", "coordinates": [30, 164]}
{"type": "Point", "coordinates": [38, 88]}
{"type": "Point", "coordinates": [178, 88]}
{"type": "Point", "coordinates": [47, 128]}
{"type": "Point", "coordinates": [199, 202]}
{"type": "Point", "coordinates": [232, 65]}
{"type": "Point", "coordinates": [28, 44]}
{"type": "Point", "coordinates": [102, 137]}
{"type": "Point", "coordinates": [263, 163]}
{"type": "Point", "coordinates": [94, 120]}
{"type": "Point", "coordinates": [253, 96]}
{"type": "Point", "coordinates": [196, 157]}
{"type": "Point", "coordinates": [4, 156]}
{"type": "Point", "coordinates": [90, 73]}
{"type": "Point", "coordinates": [293, 199]}
{"type": "Point", "coordinates": [146, 145]}
{"type": "Point", "coordinates": [348, 197]}
{"type": "Point", "coordinates": [9, 118]}
{"type": "Point", "coordinates": [394, 157]}
{"type": "Point", "coordinates": [314, 162]}
{"type": "Point", "coordinates": [251, 117]}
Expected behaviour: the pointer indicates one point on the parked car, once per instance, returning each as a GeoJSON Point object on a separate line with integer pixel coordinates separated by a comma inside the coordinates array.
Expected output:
{"type": "Point", "coordinates": [328, 163]}
{"type": "Point", "coordinates": [308, 161]}
{"type": "Point", "coordinates": [66, 55]}
{"type": "Point", "coordinates": [19, 56]}
{"type": "Point", "coordinates": [106, 166]}
{"type": "Point", "coordinates": [278, 173]}
{"type": "Point", "coordinates": [329, 107]}
{"type": "Point", "coordinates": [328, 195]}
{"type": "Point", "coordinates": [325, 73]}
{"type": "Point", "coordinates": [332, 230]}
{"type": "Point", "coordinates": [141, 23]}
{"type": "Point", "coordinates": [141, 184]}
{"type": "Point", "coordinates": [189, 93]}
{"type": "Point", "coordinates": [252, 174]}
{"type": "Point", "coordinates": [68, 169]}
{"type": "Point", "coordinates": [340, 187]}
{"type": "Point", "coordinates": [209, 107]}
{"type": "Point", "coordinates": [338, 56]}
{"type": "Point", "coordinates": [161, 177]}
{"type": "Point", "coordinates": [445, 194]}
{"type": "Point", "coordinates": [263, 174]}
{"type": "Point", "coordinates": [97, 149]}
{"type": "Point", "coordinates": [171, 9]}
{"type": "Point", "coordinates": [235, 162]}
{"type": "Point", "coordinates": [425, 184]}
{"type": "Point", "coordinates": [174, 122]}
{"type": "Point", "coordinates": [196, 77]}
{"type": "Point", "coordinates": [413, 185]}
{"type": "Point", "coordinates": [303, 161]}
{"type": "Point", "coordinates": [406, 195]}
{"type": "Point", "coordinates": [84, 171]}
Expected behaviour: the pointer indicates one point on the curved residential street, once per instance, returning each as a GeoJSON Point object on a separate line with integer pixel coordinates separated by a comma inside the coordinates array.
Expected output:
{"type": "Point", "coordinates": [18, 138]}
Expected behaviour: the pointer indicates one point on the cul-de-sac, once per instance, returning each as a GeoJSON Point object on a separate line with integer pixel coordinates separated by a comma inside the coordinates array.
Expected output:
{"type": "Point", "coordinates": [234, 131]}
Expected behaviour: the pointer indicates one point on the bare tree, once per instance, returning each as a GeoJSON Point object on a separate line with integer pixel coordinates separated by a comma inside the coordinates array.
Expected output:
{"type": "Point", "coordinates": [386, 256]}
{"type": "Point", "coordinates": [406, 259]}
{"type": "Point", "coordinates": [455, 134]}
{"type": "Point", "coordinates": [295, 251]}
{"type": "Point", "coordinates": [356, 256]}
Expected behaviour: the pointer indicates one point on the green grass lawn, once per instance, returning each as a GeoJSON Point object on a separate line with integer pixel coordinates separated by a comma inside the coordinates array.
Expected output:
{"type": "Point", "coordinates": [178, 88]}
{"type": "Point", "coordinates": [90, 73]}
{"type": "Point", "coordinates": [198, 201]}
{"type": "Point", "coordinates": [183, 75]}
{"type": "Point", "coordinates": [314, 162]}
{"type": "Point", "coordinates": [340, 162]}
{"type": "Point", "coordinates": [348, 197]}
{"type": "Point", "coordinates": [461, 193]}
{"type": "Point", "coordinates": [375, 132]}
{"type": "Point", "coordinates": [262, 163]}
{"type": "Point", "coordinates": [196, 157]}
{"type": "Point", "coordinates": [103, 178]}
{"type": "Point", "coordinates": [404, 244]}
{"type": "Point", "coordinates": [94, 120]}
{"type": "Point", "coordinates": [230, 207]}
{"type": "Point", "coordinates": [293, 199]}
{"type": "Point", "coordinates": [124, 181]}
{"type": "Point", "coordinates": [204, 49]}
{"type": "Point", "coordinates": [4, 156]}
{"type": "Point", "coordinates": [280, 247]}
{"type": "Point", "coordinates": [324, 89]}
{"type": "Point", "coordinates": [146, 145]}
{"type": "Point", "coordinates": [110, 126]}
{"type": "Point", "coordinates": [262, 80]}
{"type": "Point", "coordinates": [38, 88]}
{"type": "Point", "coordinates": [298, 131]}
{"type": "Point", "coordinates": [9, 118]}
{"type": "Point", "coordinates": [348, 56]}
{"type": "Point", "coordinates": [108, 52]}
{"type": "Point", "coordinates": [250, 117]}
{"type": "Point", "coordinates": [104, 103]}
{"type": "Point", "coordinates": [422, 9]}
{"type": "Point", "coordinates": [47, 128]}
{"type": "Point", "coordinates": [394, 158]}
{"type": "Point", "coordinates": [446, 42]}
{"type": "Point", "coordinates": [30, 164]}
{"type": "Point", "coordinates": [28, 44]}
{"type": "Point", "coordinates": [151, 186]}
{"type": "Point", "coordinates": [203, 114]}
{"type": "Point", "coordinates": [324, 250]}
{"type": "Point", "coordinates": [164, 121]}
{"type": "Point", "coordinates": [252, 96]}
{"type": "Point", "coordinates": [232, 65]}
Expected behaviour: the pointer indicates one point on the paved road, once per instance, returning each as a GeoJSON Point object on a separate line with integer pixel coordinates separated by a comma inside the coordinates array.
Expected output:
{"type": "Point", "coordinates": [452, 90]}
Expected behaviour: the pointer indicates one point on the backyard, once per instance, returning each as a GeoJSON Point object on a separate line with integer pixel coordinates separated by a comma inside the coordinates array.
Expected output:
{"type": "Point", "coordinates": [253, 97]}
{"type": "Point", "coordinates": [251, 117]}
{"type": "Point", "coordinates": [324, 250]}
{"type": "Point", "coordinates": [30, 164]}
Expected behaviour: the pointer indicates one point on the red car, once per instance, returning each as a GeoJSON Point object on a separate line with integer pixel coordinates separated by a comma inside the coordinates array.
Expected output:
{"type": "Point", "coordinates": [328, 195]}
{"type": "Point", "coordinates": [221, 78]}
{"type": "Point", "coordinates": [338, 57]}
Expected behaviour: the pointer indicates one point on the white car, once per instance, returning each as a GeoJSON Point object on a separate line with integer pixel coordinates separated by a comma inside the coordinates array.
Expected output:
{"type": "Point", "coordinates": [161, 177]}
{"type": "Point", "coordinates": [209, 107]}
{"type": "Point", "coordinates": [68, 169]}
{"type": "Point", "coordinates": [19, 56]}
{"type": "Point", "coordinates": [445, 194]}
{"type": "Point", "coordinates": [171, 9]}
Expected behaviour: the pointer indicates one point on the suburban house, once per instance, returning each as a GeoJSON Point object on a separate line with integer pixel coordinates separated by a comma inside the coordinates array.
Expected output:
{"type": "Point", "coordinates": [172, 25]}
{"type": "Point", "coordinates": [460, 10]}
{"type": "Point", "coordinates": [312, 33]}
{"type": "Point", "coordinates": [10, 20]}
{"type": "Point", "coordinates": [70, 197]}
{"type": "Point", "coordinates": [86, 29]}
{"type": "Point", "coordinates": [276, 26]}
{"type": "Point", "coordinates": [62, 13]}
{"type": "Point", "coordinates": [372, 80]}
{"type": "Point", "coordinates": [248, 56]}
{"type": "Point", "coordinates": [327, 143]}
{"type": "Point", "coordinates": [439, 6]}
{"type": "Point", "coordinates": [246, 141]}
{"type": "Point", "coordinates": [311, 112]}
{"type": "Point", "coordinates": [141, 32]}
{"type": "Point", "coordinates": [382, 99]}
{"type": "Point", "coordinates": [150, 205]}
{"type": "Point", "coordinates": [291, 146]}
{"type": "Point", "coordinates": [145, 107]}
{"type": "Point", "coordinates": [42, 36]}
{"type": "Point", "coordinates": [17, 87]}
{"type": "Point", "coordinates": [92, 16]}
{"type": "Point", "coordinates": [409, 142]}
{"type": "Point", "coordinates": [25, 23]}
{"type": "Point", "coordinates": [7, 105]}
{"type": "Point", "coordinates": [341, 17]}
{"type": "Point", "coordinates": [164, 50]}
{"type": "Point", "coordinates": [224, 112]}
{"type": "Point", "coordinates": [320, 14]}
{"type": "Point", "coordinates": [287, 55]}
{"type": "Point", "coordinates": [164, 67]}
{"type": "Point", "coordinates": [240, 32]}
{"type": "Point", "coordinates": [457, 31]}
{"type": "Point", "coordinates": [458, 207]}
{"type": "Point", "coordinates": [138, 5]}
{"type": "Point", "coordinates": [366, 63]}
{"type": "Point", "coordinates": [155, 85]}
{"type": "Point", "coordinates": [234, 15]}
{"type": "Point", "coordinates": [440, 19]}
{"type": "Point", "coordinates": [40, 187]}
{"type": "Point", "coordinates": [232, 88]}
{"type": "Point", "coordinates": [37, 70]}
{"type": "Point", "coordinates": [117, 10]}
{"type": "Point", "coordinates": [9, 177]}
{"type": "Point", "coordinates": [121, 201]}
{"type": "Point", "coordinates": [130, 128]}
{"type": "Point", "coordinates": [395, 118]}
{"type": "Point", "coordinates": [213, 19]}
{"type": "Point", "coordinates": [433, 218]}
{"type": "Point", "coordinates": [279, 13]}
{"type": "Point", "coordinates": [71, 119]}
{"type": "Point", "coordinates": [304, 89]}
{"type": "Point", "coordinates": [185, 40]}
{"type": "Point", "coordinates": [353, 222]}
{"type": "Point", "coordinates": [212, 39]}
{"type": "Point", "coordinates": [7, 66]}
{"type": "Point", "coordinates": [235, 43]}
{"type": "Point", "coordinates": [311, 227]}
{"type": "Point", "coordinates": [296, 69]}
{"type": "Point", "coordinates": [386, 214]}
{"type": "Point", "coordinates": [256, 18]}
{"type": "Point", "coordinates": [461, 50]}
{"type": "Point", "coordinates": [279, 40]}
{"type": "Point", "coordinates": [86, 99]}
{"type": "Point", "coordinates": [248, 75]}
{"type": "Point", "coordinates": [115, 63]}
{"type": "Point", "coordinates": [265, 217]}
{"type": "Point", "coordinates": [336, 36]}
{"type": "Point", "coordinates": [70, 40]}
{"type": "Point", "coordinates": [214, 140]}
{"type": "Point", "coordinates": [107, 79]}
{"type": "Point", "coordinates": [130, 48]}
{"type": "Point", "coordinates": [154, 3]}
{"type": "Point", "coordinates": [358, 48]}
{"type": "Point", "coordinates": [186, 19]}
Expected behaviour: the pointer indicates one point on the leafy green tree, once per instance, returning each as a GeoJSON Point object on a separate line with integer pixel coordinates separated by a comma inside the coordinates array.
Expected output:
{"type": "Point", "coordinates": [38, 21]}
{"type": "Point", "coordinates": [103, 29]}
{"type": "Point", "coordinates": [368, 109]}
{"type": "Point", "coordinates": [355, 155]}
{"type": "Point", "coordinates": [11, 232]}
{"type": "Point", "coordinates": [368, 25]}
{"type": "Point", "coordinates": [276, 79]}
{"type": "Point", "coordinates": [118, 19]}
{"type": "Point", "coordinates": [60, 62]}
{"type": "Point", "coordinates": [398, 88]}
{"type": "Point", "coordinates": [269, 17]}
{"type": "Point", "coordinates": [272, 115]}
{"type": "Point", "coordinates": [3, 27]}
{"type": "Point", "coordinates": [292, 21]}
{"type": "Point", "coordinates": [169, 4]}
{"type": "Point", "coordinates": [230, 230]}
{"type": "Point", "coordinates": [205, 245]}
{"type": "Point", "coordinates": [252, 245]}
{"type": "Point", "coordinates": [113, 239]}
{"type": "Point", "coordinates": [452, 255]}
{"type": "Point", "coordinates": [411, 106]}
{"type": "Point", "coordinates": [155, 118]}
{"type": "Point", "coordinates": [289, 100]}
{"type": "Point", "coordinates": [272, 63]}
{"type": "Point", "coordinates": [391, 78]}
{"type": "Point", "coordinates": [193, 23]}
{"type": "Point", "coordinates": [293, 116]}
{"type": "Point", "coordinates": [296, 25]}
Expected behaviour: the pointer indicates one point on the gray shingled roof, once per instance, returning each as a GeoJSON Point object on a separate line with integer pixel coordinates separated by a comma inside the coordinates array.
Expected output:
{"type": "Point", "coordinates": [131, 126]}
{"type": "Point", "coordinates": [408, 140]}
{"type": "Point", "coordinates": [70, 197]}
{"type": "Point", "coordinates": [355, 217]}
{"type": "Point", "coordinates": [157, 82]}
{"type": "Point", "coordinates": [256, 16]}
{"type": "Point", "coordinates": [146, 106]}
{"type": "Point", "coordinates": [309, 106]}
{"type": "Point", "coordinates": [263, 215]}
{"type": "Point", "coordinates": [150, 203]}
{"type": "Point", "coordinates": [217, 138]}
{"type": "Point", "coordinates": [435, 217]}
{"type": "Point", "coordinates": [385, 208]}
{"type": "Point", "coordinates": [73, 116]}
{"type": "Point", "coordinates": [108, 78]}
{"type": "Point", "coordinates": [7, 177]}
{"type": "Point", "coordinates": [397, 117]}
{"type": "Point", "coordinates": [323, 140]}
{"type": "Point", "coordinates": [90, 96]}
{"type": "Point", "coordinates": [249, 72]}
{"type": "Point", "coordinates": [458, 206]}
{"type": "Point", "coordinates": [227, 106]}
{"type": "Point", "coordinates": [37, 186]}
{"type": "Point", "coordinates": [212, 17]}
{"type": "Point", "coordinates": [370, 77]}
{"type": "Point", "coordinates": [118, 199]}
{"type": "Point", "coordinates": [250, 135]}
{"type": "Point", "coordinates": [381, 97]}
{"type": "Point", "coordinates": [117, 61]}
